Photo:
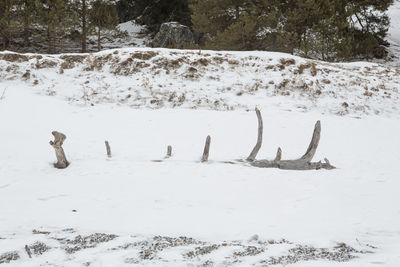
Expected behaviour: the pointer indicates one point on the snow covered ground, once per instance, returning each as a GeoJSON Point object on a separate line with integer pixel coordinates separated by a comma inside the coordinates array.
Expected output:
{"type": "Point", "coordinates": [160, 78]}
{"type": "Point", "coordinates": [135, 209]}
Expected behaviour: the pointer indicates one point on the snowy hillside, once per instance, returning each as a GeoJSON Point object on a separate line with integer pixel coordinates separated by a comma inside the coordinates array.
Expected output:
{"type": "Point", "coordinates": [158, 78]}
{"type": "Point", "coordinates": [140, 209]}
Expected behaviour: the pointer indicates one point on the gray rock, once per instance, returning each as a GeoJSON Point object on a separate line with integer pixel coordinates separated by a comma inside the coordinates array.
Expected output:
{"type": "Point", "coordinates": [173, 35]}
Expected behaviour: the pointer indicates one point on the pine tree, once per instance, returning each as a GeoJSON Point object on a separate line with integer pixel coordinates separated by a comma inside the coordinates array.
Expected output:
{"type": "Point", "coordinates": [26, 15]}
{"type": "Point", "coordinates": [53, 15]}
{"type": "Point", "coordinates": [126, 10]}
{"type": "Point", "coordinates": [155, 12]}
{"type": "Point", "coordinates": [83, 16]}
{"type": "Point", "coordinates": [6, 22]}
{"type": "Point", "coordinates": [231, 23]}
{"type": "Point", "coordinates": [323, 29]}
{"type": "Point", "coordinates": [103, 15]}
{"type": "Point", "coordinates": [370, 24]}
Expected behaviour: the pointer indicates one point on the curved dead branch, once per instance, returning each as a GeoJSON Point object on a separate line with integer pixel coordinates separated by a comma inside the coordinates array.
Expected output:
{"type": "Point", "coordinates": [312, 148]}
{"type": "Point", "coordinates": [257, 147]}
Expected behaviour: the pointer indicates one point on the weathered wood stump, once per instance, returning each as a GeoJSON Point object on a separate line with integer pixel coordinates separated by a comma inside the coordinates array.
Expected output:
{"type": "Point", "coordinates": [59, 139]}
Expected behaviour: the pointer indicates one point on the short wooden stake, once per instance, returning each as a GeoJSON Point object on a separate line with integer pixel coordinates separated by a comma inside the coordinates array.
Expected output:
{"type": "Point", "coordinates": [206, 150]}
{"type": "Point", "coordinates": [169, 151]}
{"type": "Point", "coordinates": [108, 149]}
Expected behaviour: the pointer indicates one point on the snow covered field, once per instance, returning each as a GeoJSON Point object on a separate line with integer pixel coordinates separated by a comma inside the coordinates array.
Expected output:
{"type": "Point", "coordinates": [180, 212]}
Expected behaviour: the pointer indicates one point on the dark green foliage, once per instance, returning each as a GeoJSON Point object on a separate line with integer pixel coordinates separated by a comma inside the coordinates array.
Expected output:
{"type": "Point", "coordinates": [126, 10]}
{"type": "Point", "coordinates": [53, 16]}
{"type": "Point", "coordinates": [154, 12]}
{"type": "Point", "coordinates": [6, 22]}
{"type": "Point", "coordinates": [103, 15]}
{"type": "Point", "coordinates": [325, 29]}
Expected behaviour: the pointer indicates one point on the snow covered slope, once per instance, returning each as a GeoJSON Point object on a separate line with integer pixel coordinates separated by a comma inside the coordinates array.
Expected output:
{"type": "Point", "coordinates": [157, 78]}
{"type": "Point", "coordinates": [135, 209]}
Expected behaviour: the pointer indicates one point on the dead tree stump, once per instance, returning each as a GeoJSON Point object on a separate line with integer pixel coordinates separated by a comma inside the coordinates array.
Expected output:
{"type": "Point", "coordinates": [59, 139]}
{"type": "Point", "coordinates": [206, 151]}
{"type": "Point", "coordinates": [108, 149]}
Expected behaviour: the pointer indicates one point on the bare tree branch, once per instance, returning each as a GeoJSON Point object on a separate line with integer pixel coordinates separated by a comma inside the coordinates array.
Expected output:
{"type": "Point", "coordinates": [257, 147]}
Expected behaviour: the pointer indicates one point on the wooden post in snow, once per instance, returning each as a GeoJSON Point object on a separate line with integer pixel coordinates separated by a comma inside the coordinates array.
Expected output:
{"type": "Point", "coordinates": [108, 149]}
{"type": "Point", "coordinates": [206, 151]}
{"type": "Point", "coordinates": [169, 151]}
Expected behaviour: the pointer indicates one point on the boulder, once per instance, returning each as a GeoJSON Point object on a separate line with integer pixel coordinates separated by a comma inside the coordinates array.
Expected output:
{"type": "Point", "coordinates": [173, 35]}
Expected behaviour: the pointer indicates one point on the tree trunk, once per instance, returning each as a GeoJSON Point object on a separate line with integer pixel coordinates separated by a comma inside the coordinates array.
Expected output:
{"type": "Point", "coordinates": [98, 40]}
{"type": "Point", "coordinates": [27, 16]}
{"type": "Point", "coordinates": [59, 139]}
{"type": "Point", "coordinates": [83, 17]}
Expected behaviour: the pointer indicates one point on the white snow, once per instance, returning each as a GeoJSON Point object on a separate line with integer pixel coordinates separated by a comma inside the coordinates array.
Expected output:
{"type": "Point", "coordinates": [136, 198]}
{"type": "Point", "coordinates": [159, 78]}
{"type": "Point", "coordinates": [131, 27]}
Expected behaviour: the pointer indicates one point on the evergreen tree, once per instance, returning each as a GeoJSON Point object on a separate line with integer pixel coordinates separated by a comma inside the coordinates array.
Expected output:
{"type": "Point", "coordinates": [103, 15]}
{"type": "Point", "coordinates": [155, 12]}
{"type": "Point", "coordinates": [126, 10]}
{"type": "Point", "coordinates": [6, 22]}
{"type": "Point", "coordinates": [324, 29]}
{"type": "Point", "coordinates": [54, 15]}
{"type": "Point", "coordinates": [370, 24]}
{"type": "Point", "coordinates": [27, 16]}
{"type": "Point", "coordinates": [83, 17]}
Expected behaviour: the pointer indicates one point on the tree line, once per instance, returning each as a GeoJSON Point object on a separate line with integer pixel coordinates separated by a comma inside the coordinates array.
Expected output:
{"type": "Point", "coordinates": [25, 24]}
{"type": "Point", "coordinates": [325, 29]}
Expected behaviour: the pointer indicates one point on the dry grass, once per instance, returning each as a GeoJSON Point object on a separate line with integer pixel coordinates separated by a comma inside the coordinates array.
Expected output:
{"type": "Point", "coordinates": [14, 57]}
{"type": "Point", "coordinates": [45, 63]}
{"type": "Point", "coordinates": [144, 55]}
{"type": "Point", "coordinates": [74, 58]}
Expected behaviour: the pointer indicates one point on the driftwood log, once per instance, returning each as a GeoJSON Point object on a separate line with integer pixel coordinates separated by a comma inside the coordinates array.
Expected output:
{"type": "Point", "coordinates": [206, 151]}
{"type": "Point", "coordinates": [59, 139]}
{"type": "Point", "coordinates": [303, 163]}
